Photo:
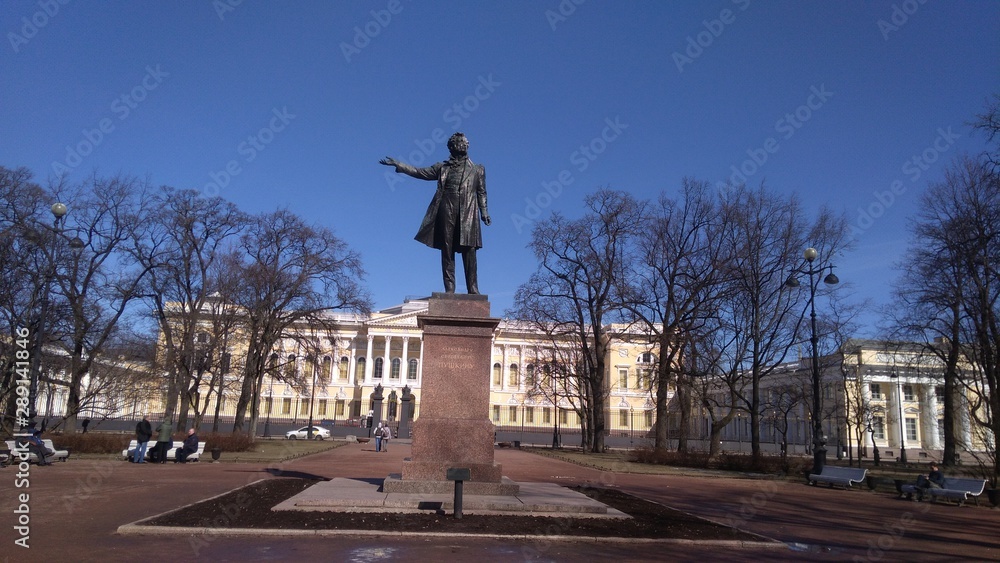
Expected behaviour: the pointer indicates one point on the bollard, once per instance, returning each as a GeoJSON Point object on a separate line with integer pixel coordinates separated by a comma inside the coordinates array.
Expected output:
{"type": "Point", "coordinates": [458, 475]}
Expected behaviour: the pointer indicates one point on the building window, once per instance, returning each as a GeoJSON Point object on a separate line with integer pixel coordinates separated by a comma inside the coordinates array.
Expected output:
{"type": "Point", "coordinates": [623, 379]}
{"type": "Point", "coordinates": [378, 368]}
{"type": "Point", "coordinates": [645, 358]}
{"type": "Point", "coordinates": [339, 408]}
{"type": "Point", "coordinates": [286, 405]}
{"type": "Point", "coordinates": [908, 393]}
{"type": "Point", "coordinates": [496, 413]}
{"type": "Point", "coordinates": [359, 372]}
{"type": "Point", "coordinates": [940, 430]}
{"type": "Point", "coordinates": [546, 416]}
{"type": "Point", "coordinates": [268, 403]}
{"type": "Point", "coordinates": [939, 392]}
{"type": "Point", "coordinates": [344, 368]}
{"type": "Point", "coordinates": [876, 390]}
{"type": "Point", "coordinates": [529, 376]}
{"type": "Point", "coordinates": [562, 416]}
{"type": "Point", "coordinates": [512, 411]}
{"type": "Point", "coordinates": [827, 391]}
{"type": "Point", "coordinates": [529, 415]}
{"type": "Point", "coordinates": [649, 419]}
{"type": "Point", "coordinates": [411, 371]}
{"type": "Point", "coordinates": [202, 338]}
{"type": "Point", "coordinates": [911, 429]}
{"type": "Point", "coordinates": [321, 409]}
{"type": "Point", "coordinates": [513, 378]}
{"type": "Point", "coordinates": [303, 406]}
{"type": "Point", "coordinates": [290, 367]}
{"type": "Point", "coordinates": [623, 418]}
{"type": "Point", "coordinates": [878, 427]}
{"type": "Point", "coordinates": [394, 370]}
{"type": "Point", "coordinates": [497, 374]}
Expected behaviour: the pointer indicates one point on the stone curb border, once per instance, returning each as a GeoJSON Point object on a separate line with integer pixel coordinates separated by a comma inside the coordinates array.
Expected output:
{"type": "Point", "coordinates": [138, 528]}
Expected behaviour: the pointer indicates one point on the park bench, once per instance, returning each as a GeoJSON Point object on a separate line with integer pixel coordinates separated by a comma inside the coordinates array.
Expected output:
{"type": "Point", "coordinates": [960, 490]}
{"type": "Point", "coordinates": [833, 475]}
{"type": "Point", "coordinates": [128, 452]}
{"type": "Point", "coordinates": [59, 455]}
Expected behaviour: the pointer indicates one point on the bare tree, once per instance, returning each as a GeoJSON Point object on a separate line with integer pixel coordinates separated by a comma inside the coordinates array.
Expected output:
{"type": "Point", "coordinates": [759, 316]}
{"type": "Point", "coordinates": [293, 273]}
{"type": "Point", "coordinates": [100, 280]}
{"type": "Point", "coordinates": [24, 264]}
{"type": "Point", "coordinates": [950, 294]}
{"type": "Point", "coordinates": [184, 239]}
{"type": "Point", "coordinates": [572, 295]}
{"type": "Point", "coordinates": [672, 286]}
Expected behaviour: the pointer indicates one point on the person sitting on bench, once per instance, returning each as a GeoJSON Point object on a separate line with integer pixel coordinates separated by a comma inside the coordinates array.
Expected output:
{"type": "Point", "coordinates": [190, 446]}
{"type": "Point", "coordinates": [933, 480]}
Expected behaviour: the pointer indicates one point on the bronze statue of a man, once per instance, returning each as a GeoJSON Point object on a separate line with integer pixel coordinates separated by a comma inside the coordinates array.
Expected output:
{"type": "Point", "coordinates": [451, 223]}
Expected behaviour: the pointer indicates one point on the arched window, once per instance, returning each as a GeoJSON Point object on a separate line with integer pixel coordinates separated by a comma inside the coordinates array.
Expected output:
{"type": "Point", "coordinates": [359, 371]}
{"type": "Point", "coordinates": [411, 372]}
{"type": "Point", "coordinates": [377, 374]}
{"type": "Point", "coordinates": [345, 366]}
{"type": "Point", "coordinates": [394, 368]}
{"type": "Point", "coordinates": [513, 378]}
{"type": "Point", "coordinates": [290, 366]}
{"type": "Point", "coordinates": [327, 369]}
{"type": "Point", "coordinates": [529, 375]}
{"type": "Point", "coordinates": [497, 374]}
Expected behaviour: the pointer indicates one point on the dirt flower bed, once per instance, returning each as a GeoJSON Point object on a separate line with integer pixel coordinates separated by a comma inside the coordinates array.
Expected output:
{"type": "Point", "coordinates": [250, 507]}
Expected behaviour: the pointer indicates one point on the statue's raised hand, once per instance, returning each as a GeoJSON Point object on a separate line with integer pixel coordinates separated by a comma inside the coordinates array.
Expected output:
{"type": "Point", "coordinates": [389, 161]}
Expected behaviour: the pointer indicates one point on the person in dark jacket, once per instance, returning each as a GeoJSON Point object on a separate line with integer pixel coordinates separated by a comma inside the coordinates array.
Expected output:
{"type": "Point", "coordinates": [451, 223]}
{"type": "Point", "coordinates": [190, 446]}
{"type": "Point", "coordinates": [143, 432]}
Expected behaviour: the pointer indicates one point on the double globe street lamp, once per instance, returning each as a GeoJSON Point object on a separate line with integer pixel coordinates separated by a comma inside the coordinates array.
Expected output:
{"type": "Point", "coordinates": [59, 211]}
{"type": "Point", "coordinates": [810, 254]}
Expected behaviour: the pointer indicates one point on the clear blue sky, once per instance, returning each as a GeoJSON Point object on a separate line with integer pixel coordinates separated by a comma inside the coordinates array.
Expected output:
{"type": "Point", "coordinates": [300, 100]}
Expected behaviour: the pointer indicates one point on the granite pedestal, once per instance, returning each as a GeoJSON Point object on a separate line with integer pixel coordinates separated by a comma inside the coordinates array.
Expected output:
{"type": "Point", "coordinates": [454, 429]}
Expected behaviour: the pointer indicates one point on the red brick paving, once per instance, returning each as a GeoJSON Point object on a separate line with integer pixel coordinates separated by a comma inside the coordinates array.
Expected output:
{"type": "Point", "coordinates": [76, 508]}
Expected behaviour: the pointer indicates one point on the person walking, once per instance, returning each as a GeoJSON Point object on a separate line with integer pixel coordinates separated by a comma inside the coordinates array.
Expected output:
{"type": "Point", "coordinates": [386, 435]}
{"type": "Point", "coordinates": [143, 432]}
{"type": "Point", "coordinates": [378, 438]}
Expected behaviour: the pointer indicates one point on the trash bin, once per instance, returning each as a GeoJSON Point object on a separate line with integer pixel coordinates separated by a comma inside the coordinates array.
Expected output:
{"type": "Point", "coordinates": [517, 443]}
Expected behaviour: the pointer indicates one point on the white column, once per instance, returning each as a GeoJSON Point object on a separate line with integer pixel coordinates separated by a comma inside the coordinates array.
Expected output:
{"type": "Point", "coordinates": [352, 364]}
{"type": "Point", "coordinates": [929, 413]}
{"type": "Point", "coordinates": [369, 361]}
{"type": "Point", "coordinates": [504, 376]}
{"type": "Point", "coordinates": [404, 361]}
{"type": "Point", "coordinates": [386, 361]}
{"type": "Point", "coordinates": [420, 366]}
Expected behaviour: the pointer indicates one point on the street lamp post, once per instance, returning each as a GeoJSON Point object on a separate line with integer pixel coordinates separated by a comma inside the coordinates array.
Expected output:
{"type": "Point", "coordinates": [270, 405]}
{"type": "Point", "coordinates": [58, 212]}
{"type": "Point", "coordinates": [899, 401]}
{"type": "Point", "coordinates": [819, 440]}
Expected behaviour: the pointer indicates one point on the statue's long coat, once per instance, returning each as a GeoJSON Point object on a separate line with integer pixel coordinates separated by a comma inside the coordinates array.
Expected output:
{"type": "Point", "coordinates": [472, 196]}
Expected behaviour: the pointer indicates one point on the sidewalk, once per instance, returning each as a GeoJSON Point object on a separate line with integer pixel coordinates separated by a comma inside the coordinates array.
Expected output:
{"type": "Point", "coordinates": [76, 507]}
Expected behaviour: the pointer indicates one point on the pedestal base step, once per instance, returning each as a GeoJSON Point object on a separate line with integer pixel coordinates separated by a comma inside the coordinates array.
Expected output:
{"type": "Point", "coordinates": [395, 484]}
{"type": "Point", "coordinates": [533, 499]}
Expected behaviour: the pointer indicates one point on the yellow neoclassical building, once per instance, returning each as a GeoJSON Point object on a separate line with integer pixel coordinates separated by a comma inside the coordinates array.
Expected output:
{"type": "Point", "coordinates": [330, 373]}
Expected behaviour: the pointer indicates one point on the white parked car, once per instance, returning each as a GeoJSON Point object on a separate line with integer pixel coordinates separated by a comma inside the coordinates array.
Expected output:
{"type": "Point", "coordinates": [319, 433]}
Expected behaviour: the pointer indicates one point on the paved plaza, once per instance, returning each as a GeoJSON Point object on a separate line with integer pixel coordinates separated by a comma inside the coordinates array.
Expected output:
{"type": "Point", "coordinates": [77, 507]}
